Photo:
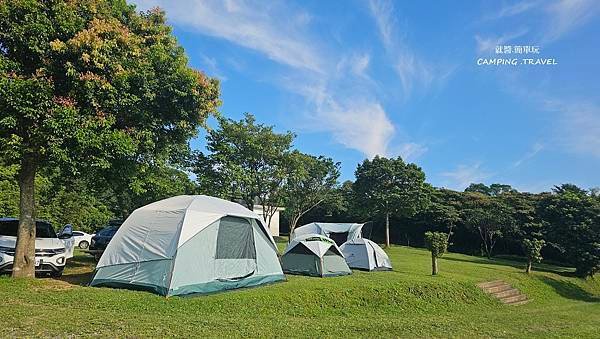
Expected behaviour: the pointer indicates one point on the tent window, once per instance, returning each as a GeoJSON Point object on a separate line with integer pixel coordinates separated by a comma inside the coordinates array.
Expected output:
{"type": "Point", "coordinates": [339, 237]}
{"type": "Point", "coordinates": [235, 239]}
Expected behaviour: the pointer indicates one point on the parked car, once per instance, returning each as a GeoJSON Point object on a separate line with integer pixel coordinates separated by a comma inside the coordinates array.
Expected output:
{"type": "Point", "coordinates": [82, 239]}
{"type": "Point", "coordinates": [101, 239]}
{"type": "Point", "coordinates": [51, 252]}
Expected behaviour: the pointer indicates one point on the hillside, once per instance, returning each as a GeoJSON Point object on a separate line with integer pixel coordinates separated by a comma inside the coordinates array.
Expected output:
{"type": "Point", "coordinates": [405, 302]}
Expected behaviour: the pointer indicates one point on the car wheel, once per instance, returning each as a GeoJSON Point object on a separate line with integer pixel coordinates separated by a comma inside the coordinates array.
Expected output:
{"type": "Point", "coordinates": [84, 244]}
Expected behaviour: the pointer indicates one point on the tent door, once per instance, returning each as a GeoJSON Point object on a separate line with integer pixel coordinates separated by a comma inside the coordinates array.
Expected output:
{"type": "Point", "coordinates": [339, 237]}
{"type": "Point", "coordinates": [235, 257]}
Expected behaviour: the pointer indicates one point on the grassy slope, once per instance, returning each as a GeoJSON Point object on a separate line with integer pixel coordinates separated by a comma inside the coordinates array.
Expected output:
{"type": "Point", "coordinates": [405, 302]}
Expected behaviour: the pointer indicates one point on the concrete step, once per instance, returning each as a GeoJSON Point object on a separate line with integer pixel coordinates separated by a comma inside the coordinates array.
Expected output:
{"type": "Point", "coordinates": [507, 293]}
{"type": "Point", "coordinates": [513, 299]}
{"type": "Point", "coordinates": [493, 283]}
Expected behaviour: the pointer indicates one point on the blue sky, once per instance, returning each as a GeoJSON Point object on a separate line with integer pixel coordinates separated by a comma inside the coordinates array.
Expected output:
{"type": "Point", "coordinates": [358, 78]}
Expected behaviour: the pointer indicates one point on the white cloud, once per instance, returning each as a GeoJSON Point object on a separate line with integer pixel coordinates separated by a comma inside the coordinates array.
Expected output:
{"type": "Point", "coordinates": [464, 175]}
{"type": "Point", "coordinates": [566, 15]}
{"type": "Point", "coordinates": [535, 149]}
{"type": "Point", "coordinates": [357, 123]}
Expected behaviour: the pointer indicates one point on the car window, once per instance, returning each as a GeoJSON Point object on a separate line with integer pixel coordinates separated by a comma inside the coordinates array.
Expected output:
{"type": "Point", "coordinates": [77, 234]}
{"type": "Point", "coordinates": [42, 229]}
{"type": "Point", "coordinates": [108, 232]}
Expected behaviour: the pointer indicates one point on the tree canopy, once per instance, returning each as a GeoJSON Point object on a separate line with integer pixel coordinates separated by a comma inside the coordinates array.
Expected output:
{"type": "Point", "coordinates": [89, 86]}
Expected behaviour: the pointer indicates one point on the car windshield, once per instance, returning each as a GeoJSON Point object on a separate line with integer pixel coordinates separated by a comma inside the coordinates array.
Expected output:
{"type": "Point", "coordinates": [42, 229]}
{"type": "Point", "coordinates": [108, 232]}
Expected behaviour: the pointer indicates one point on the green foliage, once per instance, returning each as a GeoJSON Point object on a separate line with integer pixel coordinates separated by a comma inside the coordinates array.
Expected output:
{"type": "Point", "coordinates": [94, 82]}
{"type": "Point", "coordinates": [571, 217]}
{"type": "Point", "coordinates": [436, 243]}
{"type": "Point", "coordinates": [489, 217]}
{"type": "Point", "coordinates": [533, 249]}
{"type": "Point", "coordinates": [311, 182]}
{"type": "Point", "coordinates": [391, 186]}
{"type": "Point", "coordinates": [9, 191]}
{"type": "Point", "coordinates": [246, 161]}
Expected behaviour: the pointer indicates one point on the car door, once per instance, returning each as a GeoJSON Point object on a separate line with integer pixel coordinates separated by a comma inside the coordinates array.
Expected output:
{"type": "Point", "coordinates": [66, 236]}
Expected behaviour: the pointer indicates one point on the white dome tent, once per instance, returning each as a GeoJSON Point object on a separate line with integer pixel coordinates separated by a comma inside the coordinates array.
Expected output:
{"type": "Point", "coordinates": [189, 244]}
{"type": "Point", "coordinates": [364, 254]}
{"type": "Point", "coordinates": [338, 232]}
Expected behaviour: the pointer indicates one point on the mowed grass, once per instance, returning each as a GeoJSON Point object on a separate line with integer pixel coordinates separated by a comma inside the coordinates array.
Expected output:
{"type": "Point", "coordinates": [407, 302]}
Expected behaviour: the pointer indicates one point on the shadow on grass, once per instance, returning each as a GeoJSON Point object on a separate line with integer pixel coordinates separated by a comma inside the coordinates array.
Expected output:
{"type": "Point", "coordinates": [569, 290]}
{"type": "Point", "coordinates": [83, 270]}
{"type": "Point", "coordinates": [80, 279]}
{"type": "Point", "coordinates": [563, 271]}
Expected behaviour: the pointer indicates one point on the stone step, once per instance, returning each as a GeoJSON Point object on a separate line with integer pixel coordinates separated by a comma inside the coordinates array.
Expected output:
{"type": "Point", "coordinates": [491, 283]}
{"type": "Point", "coordinates": [497, 289]}
{"type": "Point", "coordinates": [504, 292]}
{"type": "Point", "coordinates": [513, 299]}
{"type": "Point", "coordinates": [516, 303]}
{"type": "Point", "coordinates": [507, 293]}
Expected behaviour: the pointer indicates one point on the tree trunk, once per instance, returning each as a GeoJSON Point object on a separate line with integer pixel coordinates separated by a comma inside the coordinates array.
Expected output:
{"type": "Point", "coordinates": [293, 223]}
{"type": "Point", "coordinates": [528, 268]}
{"type": "Point", "coordinates": [434, 265]}
{"type": "Point", "coordinates": [387, 229]}
{"type": "Point", "coordinates": [24, 260]}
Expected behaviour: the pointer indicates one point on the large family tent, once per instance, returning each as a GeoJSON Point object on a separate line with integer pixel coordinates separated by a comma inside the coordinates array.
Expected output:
{"type": "Point", "coordinates": [338, 232]}
{"type": "Point", "coordinates": [315, 255]}
{"type": "Point", "coordinates": [364, 254]}
{"type": "Point", "coordinates": [189, 244]}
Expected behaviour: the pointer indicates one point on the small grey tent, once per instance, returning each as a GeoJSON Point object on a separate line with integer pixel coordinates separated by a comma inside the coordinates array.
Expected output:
{"type": "Point", "coordinates": [338, 232]}
{"type": "Point", "coordinates": [314, 255]}
{"type": "Point", "coordinates": [364, 254]}
{"type": "Point", "coordinates": [189, 244]}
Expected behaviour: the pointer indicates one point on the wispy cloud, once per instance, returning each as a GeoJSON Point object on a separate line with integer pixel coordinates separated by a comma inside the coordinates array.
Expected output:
{"type": "Point", "coordinates": [341, 102]}
{"type": "Point", "coordinates": [558, 18]}
{"type": "Point", "coordinates": [255, 25]}
{"type": "Point", "coordinates": [464, 175]}
{"type": "Point", "coordinates": [535, 149]}
{"type": "Point", "coordinates": [211, 67]}
{"type": "Point", "coordinates": [566, 15]}
{"type": "Point", "coordinates": [488, 44]}
{"type": "Point", "coordinates": [411, 69]}
{"type": "Point", "coordinates": [578, 125]}
{"type": "Point", "coordinates": [513, 9]}
{"type": "Point", "coordinates": [409, 151]}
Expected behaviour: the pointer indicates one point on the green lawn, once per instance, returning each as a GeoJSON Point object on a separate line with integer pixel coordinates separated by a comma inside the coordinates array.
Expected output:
{"type": "Point", "coordinates": [407, 302]}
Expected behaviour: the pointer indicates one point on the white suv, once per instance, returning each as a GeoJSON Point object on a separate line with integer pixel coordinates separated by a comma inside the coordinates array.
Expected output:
{"type": "Point", "coordinates": [51, 253]}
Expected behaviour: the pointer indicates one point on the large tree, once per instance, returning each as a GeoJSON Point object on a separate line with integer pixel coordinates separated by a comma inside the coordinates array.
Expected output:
{"type": "Point", "coordinates": [387, 186]}
{"type": "Point", "coordinates": [246, 161]}
{"type": "Point", "coordinates": [311, 182]}
{"type": "Point", "coordinates": [488, 216]}
{"type": "Point", "coordinates": [571, 216]}
{"type": "Point", "coordinates": [91, 85]}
